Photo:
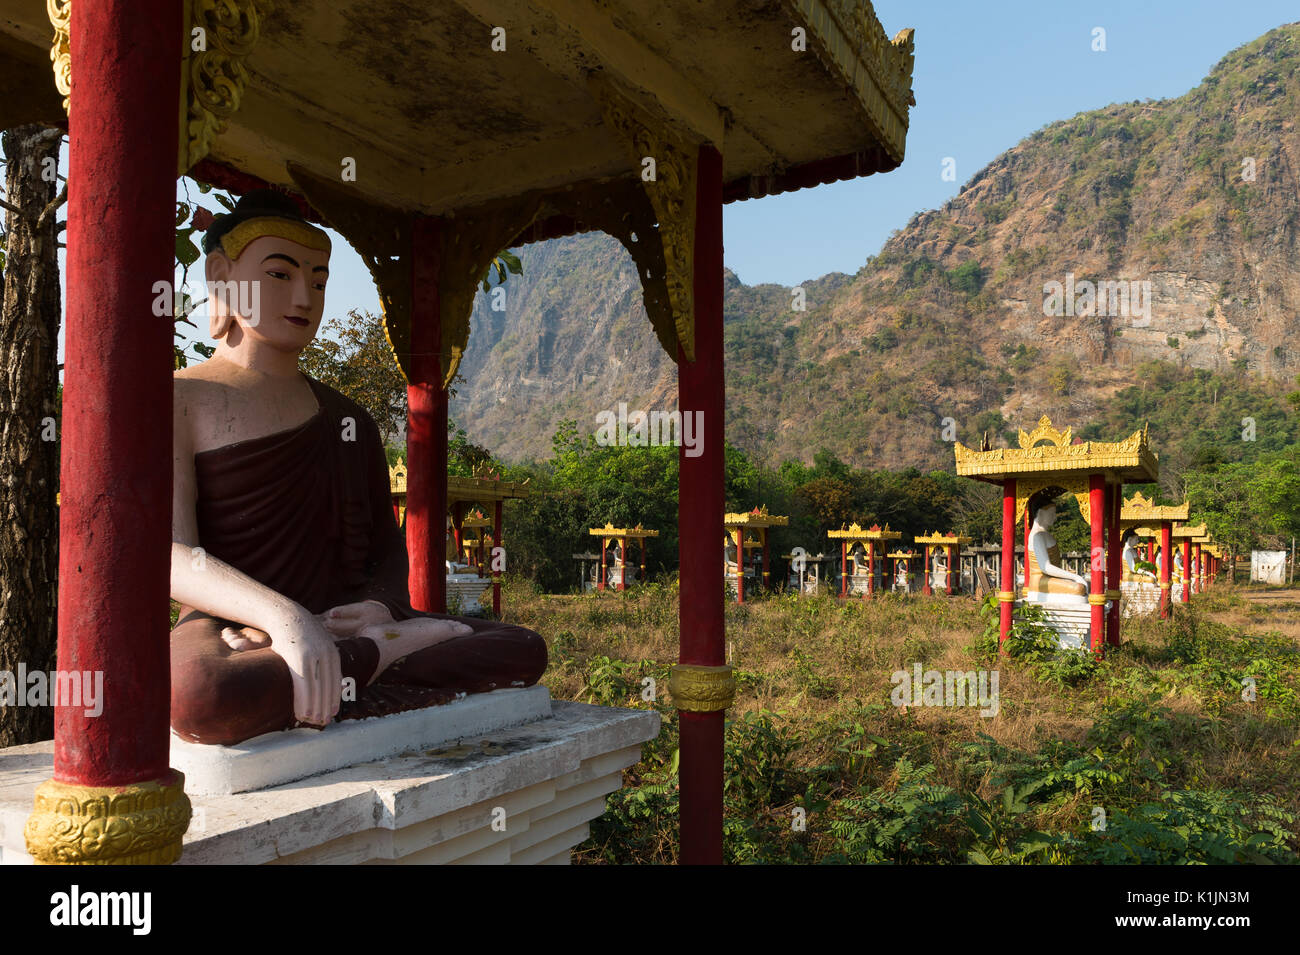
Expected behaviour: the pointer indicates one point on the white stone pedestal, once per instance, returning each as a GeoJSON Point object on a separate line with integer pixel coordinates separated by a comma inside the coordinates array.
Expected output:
{"type": "Point", "coordinates": [521, 795]}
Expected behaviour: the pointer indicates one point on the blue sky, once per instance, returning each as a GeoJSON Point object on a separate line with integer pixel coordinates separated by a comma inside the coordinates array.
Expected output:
{"type": "Point", "coordinates": [986, 76]}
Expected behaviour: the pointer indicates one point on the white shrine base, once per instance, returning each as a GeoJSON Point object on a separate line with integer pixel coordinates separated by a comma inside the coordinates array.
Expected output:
{"type": "Point", "coordinates": [518, 795]}
{"type": "Point", "coordinates": [1140, 598]}
{"type": "Point", "coordinates": [276, 758]}
{"type": "Point", "coordinates": [1072, 623]}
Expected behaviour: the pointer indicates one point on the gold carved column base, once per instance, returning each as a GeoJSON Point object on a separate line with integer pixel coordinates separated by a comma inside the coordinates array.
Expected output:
{"type": "Point", "coordinates": [701, 689]}
{"type": "Point", "coordinates": [137, 824]}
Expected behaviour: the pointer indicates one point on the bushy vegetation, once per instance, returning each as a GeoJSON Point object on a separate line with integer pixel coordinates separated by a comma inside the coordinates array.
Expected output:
{"type": "Point", "coordinates": [1150, 756]}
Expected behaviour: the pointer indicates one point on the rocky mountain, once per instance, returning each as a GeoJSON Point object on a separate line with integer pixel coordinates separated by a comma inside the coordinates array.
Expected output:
{"type": "Point", "coordinates": [1149, 231]}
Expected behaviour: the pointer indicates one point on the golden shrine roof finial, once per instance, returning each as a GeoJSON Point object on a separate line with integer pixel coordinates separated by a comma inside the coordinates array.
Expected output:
{"type": "Point", "coordinates": [1044, 430]}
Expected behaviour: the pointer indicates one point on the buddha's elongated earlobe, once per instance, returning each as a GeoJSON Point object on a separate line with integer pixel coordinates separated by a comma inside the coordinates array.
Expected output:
{"type": "Point", "coordinates": [217, 268]}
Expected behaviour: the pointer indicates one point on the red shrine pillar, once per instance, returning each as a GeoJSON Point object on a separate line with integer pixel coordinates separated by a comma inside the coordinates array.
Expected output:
{"type": "Point", "coordinates": [601, 582]}
{"type": "Point", "coordinates": [925, 583]}
{"type": "Point", "coordinates": [765, 559]}
{"type": "Point", "coordinates": [1196, 563]}
{"type": "Point", "coordinates": [951, 552]}
{"type": "Point", "coordinates": [426, 428]}
{"type": "Point", "coordinates": [702, 685]}
{"type": "Point", "coordinates": [622, 572]}
{"type": "Point", "coordinates": [871, 567]}
{"type": "Point", "coordinates": [496, 574]}
{"type": "Point", "coordinates": [740, 566]}
{"type": "Point", "coordinates": [1007, 595]}
{"type": "Point", "coordinates": [1166, 568]}
{"type": "Point", "coordinates": [844, 568]}
{"type": "Point", "coordinates": [1187, 570]}
{"type": "Point", "coordinates": [1097, 502]}
{"type": "Point", "coordinates": [114, 798]}
{"type": "Point", "coordinates": [1114, 563]}
{"type": "Point", "coordinates": [642, 549]}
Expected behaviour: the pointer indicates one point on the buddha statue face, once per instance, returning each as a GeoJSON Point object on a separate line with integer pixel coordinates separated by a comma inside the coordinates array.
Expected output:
{"type": "Point", "coordinates": [1046, 516]}
{"type": "Point", "coordinates": [273, 293]}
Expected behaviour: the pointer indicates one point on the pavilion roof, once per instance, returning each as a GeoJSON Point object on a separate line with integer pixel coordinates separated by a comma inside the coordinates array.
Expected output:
{"type": "Point", "coordinates": [1140, 509]}
{"type": "Point", "coordinates": [936, 538]}
{"type": "Point", "coordinates": [1129, 461]}
{"type": "Point", "coordinates": [1188, 530]}
{"type": "Point", "coordinates": [513, 121]}
{"type": "Point", "coordinates": [758, 517]}
{"type": "Point", "coordinates": [903, 553]}
{"type": "Point", "coordinates": [478, 490]}
{"type": "Point", "coordinates": [609, 530]}
{"type": "Point", "coordinates": [873, 533]}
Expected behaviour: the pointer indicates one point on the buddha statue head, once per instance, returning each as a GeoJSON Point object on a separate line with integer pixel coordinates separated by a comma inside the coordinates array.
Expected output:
{"type": "Point", "coordinates": [1042, 507]}
{"type": "Point", "coordinates": [266, 270]}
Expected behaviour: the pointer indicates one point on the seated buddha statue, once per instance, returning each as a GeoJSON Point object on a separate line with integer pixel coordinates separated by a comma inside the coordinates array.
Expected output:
{"type": "Point", "coordinates": [1130, 557]}
{"type": "Point", "coordinates": [286, 557]}
{"type": "Point", "coordinates": [1046, 581]}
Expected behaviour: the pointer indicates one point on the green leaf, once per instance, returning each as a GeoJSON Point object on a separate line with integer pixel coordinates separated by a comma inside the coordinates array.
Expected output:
{"type": "Point", "coordinates": [187, 253]}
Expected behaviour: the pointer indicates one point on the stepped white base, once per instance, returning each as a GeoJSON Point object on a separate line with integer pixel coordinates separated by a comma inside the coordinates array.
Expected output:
{"type": "Point", "coordinates": [1072, 622]}
{"type": "Point", "coordinates": [520, 796]}
{"type": "Point", "coordinates": [1139, 598]}
{"type": "Point", "coordinates": [465, 592]}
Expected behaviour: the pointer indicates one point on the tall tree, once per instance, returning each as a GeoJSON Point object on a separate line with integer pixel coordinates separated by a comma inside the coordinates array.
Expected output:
{"type": "Point", "coordinates": [29, 448]}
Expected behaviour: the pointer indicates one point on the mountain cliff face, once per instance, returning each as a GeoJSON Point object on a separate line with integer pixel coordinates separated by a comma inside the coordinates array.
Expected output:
{"type": "Point", "coordinates": [1167, 230]}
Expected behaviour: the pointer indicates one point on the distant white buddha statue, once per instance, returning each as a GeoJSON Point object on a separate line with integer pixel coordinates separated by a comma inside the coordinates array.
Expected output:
{"type": "Point", "coordinates": [1047, 582]}
{"type": "Point", "coordinates": [1131, 559]}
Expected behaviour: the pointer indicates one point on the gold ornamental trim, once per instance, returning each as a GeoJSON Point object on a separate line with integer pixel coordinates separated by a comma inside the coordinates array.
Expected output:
{"type": "Point", "coordinates": [1165, 585]}
{"type": "Point", "coordinates": [1140, 509]}
{"type": "Point", "coordinates": [1006, 596]}
{"type": "Point", "coordinates": [701, 689]}
{"type": "Point", "coordinates": [219, 36]}
{"type": "Point", "coordinates": [645, 132]}
{"type": "Point", "coordinates": [137, 824]}
{"type": "Point", "coordinates": [237, 239]}
{"type": "Point", "coordinates": [609, 530]}
{"type": "Point", "coordinates": [1131, 460]}
{"type": "Point", "coordinates": [60, 14]}
{"type": "Point", "coordinates": [1112, 595]}
{"type": "Point", "coordinates": [1097, 600]}
{"type": "Point", "coordinates": [949, 540]}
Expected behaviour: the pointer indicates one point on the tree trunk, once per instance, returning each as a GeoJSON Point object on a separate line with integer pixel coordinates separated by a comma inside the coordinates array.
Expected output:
{"type": "Point", "coordinates": [29, 447]}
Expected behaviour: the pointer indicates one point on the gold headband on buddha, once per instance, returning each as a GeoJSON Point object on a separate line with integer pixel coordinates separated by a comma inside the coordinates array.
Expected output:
{"type": "Point", "coordinates": [236, 240]}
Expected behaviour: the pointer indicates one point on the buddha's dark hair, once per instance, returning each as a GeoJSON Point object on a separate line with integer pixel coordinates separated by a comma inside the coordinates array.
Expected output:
{"type": "Point", "coordinates": [251, 205]}
{"type": "Point", "coordinates": [1040, 499]}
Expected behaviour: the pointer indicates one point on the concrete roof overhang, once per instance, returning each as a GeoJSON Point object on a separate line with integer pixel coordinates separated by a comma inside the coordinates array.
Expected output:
{"type": "Point", "coordinates": [482, 125]}
{"type": "Point", "coordinates": [437, 117]}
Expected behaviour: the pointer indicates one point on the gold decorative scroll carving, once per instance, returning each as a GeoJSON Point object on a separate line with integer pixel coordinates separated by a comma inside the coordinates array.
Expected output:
{"type": "Point", "coordinates": [701, 689]}
{"type": "Point", "coordinates": [646, 133]}
{"type": "Point", "coordinates": [60, 12]}
{"type": "Point", "coordinates": [138, 824]}
{"type": "Point", "coordinates": [1027, 487]}
{"type": "Point", "coordinates": [213, 75]}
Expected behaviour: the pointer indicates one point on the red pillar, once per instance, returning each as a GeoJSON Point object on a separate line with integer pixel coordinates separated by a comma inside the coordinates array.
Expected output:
{"type": "Point", "coordinates": [871, 567]}
{"type": "Point", "coordinates": [740, 565]}
{"type": "Point", "coordinates": [925, 583]}
{"type": "Point", "coordinates": [763, 531]}
{"type": "Point", "coordinates": [844, 568]}
{"type": "Point", "coordinates": [496, 574]}
{"type": "Point", "coordinates": [601, 584]}
{"type": "Point", "coordinates": [1097, 501]}
{"type": "Point", "coordinates": [622, 576]}
{"type": "Point", "coordinates": [951, 552]}
{"type": "Point", "coordinates": [1007, 595]}
{"type": "Point", "coordinates": [426, 429]}
{"type": "Point", "coordinates": [1196, 563]}
{"type": "Point", "coordinates": [115, 519]}
{"type": "Point", "coordinates": [1166, 568]}
{"type": "Point", "coordinates": [701, 505]}
{"type": "Point", "coordinates": [1187, 570]}
{"type": "Point", "coordinates": [1114, 564]}
{"type": "Point", "coordinates": [642, 549]}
